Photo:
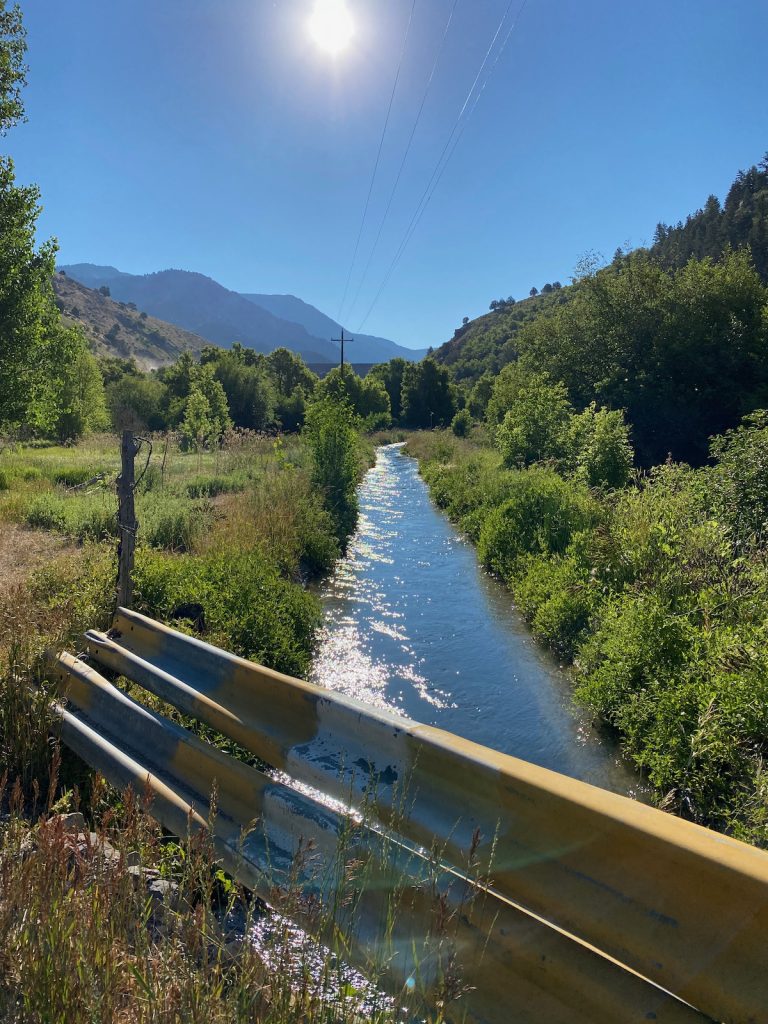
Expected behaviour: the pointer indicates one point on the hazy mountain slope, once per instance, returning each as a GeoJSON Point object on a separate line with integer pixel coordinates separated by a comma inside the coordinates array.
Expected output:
{"type": "Point", "coordinates": [201, 305]}
{"type": "Point", "coordinates": [114, 329]}
{"type": "Point", "coordinates": [366, 348]}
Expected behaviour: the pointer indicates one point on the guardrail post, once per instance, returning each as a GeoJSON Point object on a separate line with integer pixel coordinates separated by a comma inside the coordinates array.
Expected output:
{"type": "Point", "coordinates": [126, 520]}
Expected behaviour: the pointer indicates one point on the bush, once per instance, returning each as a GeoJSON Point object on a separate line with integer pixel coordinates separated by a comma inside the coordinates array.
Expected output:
{"type": "Point", "coordinates": [332, 439]}
{"type": "Point", "coordinates": [83, 516]}
{"type": "Point", "coordinates": [559, 598]}
{"type": "Point", "coordinates": [461, 424]}
{"type": "Point", "coordinates": [248, 608]}
{"type": "Point", "coordinates": [5, 480]}
{"type": "Point", "coordinates": [540, 516]}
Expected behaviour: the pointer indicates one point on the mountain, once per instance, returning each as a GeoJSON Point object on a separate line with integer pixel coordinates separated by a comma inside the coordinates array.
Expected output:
{"type": "Point", "coordinates": [116, 329]}
{"type": "Point", "coordinates": [201, 305]}
{"type": "Point", "coordinates": [365, 348]}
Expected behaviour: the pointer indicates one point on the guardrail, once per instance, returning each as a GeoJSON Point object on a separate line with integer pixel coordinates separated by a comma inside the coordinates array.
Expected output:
{"type": "Point", "coordinates": [599, 908]}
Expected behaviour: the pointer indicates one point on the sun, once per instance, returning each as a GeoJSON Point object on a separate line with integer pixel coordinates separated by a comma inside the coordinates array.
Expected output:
{"type": "Point", "coordinates": [331, 26]}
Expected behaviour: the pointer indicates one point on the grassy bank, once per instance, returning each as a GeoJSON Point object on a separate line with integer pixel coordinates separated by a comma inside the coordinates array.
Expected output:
{"type": "Point", "coordinates": [657, 593]}
{"type": "Point", "coordinates": [103, 916]}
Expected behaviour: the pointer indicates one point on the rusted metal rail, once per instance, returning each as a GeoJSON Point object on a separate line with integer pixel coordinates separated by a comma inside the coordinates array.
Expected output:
{"type": "Point", "coordinates": [586, 906]}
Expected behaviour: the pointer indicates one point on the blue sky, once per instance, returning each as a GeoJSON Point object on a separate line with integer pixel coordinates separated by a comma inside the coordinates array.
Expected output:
{"type": "Point", "coordinates": [213, 135]}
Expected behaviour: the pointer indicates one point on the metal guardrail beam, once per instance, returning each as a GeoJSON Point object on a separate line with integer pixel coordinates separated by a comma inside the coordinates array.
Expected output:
{"type": "Point", "coordinates": [515, 962]}
{"type": "Point", "coordinates": [680, 904]}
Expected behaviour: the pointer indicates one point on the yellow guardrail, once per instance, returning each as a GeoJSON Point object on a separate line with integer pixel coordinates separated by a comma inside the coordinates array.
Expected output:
{"type": "Point", "coordinates": [595, 900]}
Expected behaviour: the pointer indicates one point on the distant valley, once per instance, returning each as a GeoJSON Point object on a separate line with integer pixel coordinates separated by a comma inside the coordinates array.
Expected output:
{"type": "Point", "coordinates": [201, 308]}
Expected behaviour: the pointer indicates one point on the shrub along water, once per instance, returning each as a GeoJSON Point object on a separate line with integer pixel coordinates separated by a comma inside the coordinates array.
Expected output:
{"type": "Point", "coordinates": [658, 594]}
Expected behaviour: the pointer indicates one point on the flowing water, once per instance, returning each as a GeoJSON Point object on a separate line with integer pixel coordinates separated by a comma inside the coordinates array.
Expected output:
{"type": "Point", "coordinates": [414, 624]}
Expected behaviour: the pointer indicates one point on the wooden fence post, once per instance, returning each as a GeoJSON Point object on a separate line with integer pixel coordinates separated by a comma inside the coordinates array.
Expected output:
{"type": "Point", "coordinates": [127, 524]}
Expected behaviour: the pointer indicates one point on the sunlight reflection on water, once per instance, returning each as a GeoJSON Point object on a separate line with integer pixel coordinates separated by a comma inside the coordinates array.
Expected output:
{"type": "Point", "coordinates": [413, 625]}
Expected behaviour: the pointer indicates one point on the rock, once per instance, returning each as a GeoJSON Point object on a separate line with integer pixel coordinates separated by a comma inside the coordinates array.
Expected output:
{"type": "Point", "coordinates": [74, 822]}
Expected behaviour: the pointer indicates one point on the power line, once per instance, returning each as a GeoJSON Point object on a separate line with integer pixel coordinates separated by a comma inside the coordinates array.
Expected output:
{"type": "Point", "coordinates": [378, 158]}
{"type": "Point", "coordinates": [405, 154]}
{"type": "Point", "coordinates": [449, 149]}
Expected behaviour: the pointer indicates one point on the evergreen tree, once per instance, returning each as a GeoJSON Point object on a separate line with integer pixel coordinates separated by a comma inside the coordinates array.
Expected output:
{"type": "Point", "coordinates": [427, 398]}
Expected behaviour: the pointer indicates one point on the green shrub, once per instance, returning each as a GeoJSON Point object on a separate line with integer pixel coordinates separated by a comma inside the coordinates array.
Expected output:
{"type": "Point", "coordinates": [461, 424]}
{"type": "Point", "coordinates": [84, 516]}
{"type": "Point", "coordinates": [540, 515]}
{"type": "Point", "coordinates": [248, 607]}
{"type": "Point", "coordinates": [559, 598]}
{"type": "Point", "coordinates": [5, 480]}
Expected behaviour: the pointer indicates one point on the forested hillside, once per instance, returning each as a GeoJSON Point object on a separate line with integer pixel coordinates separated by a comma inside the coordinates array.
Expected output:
{"type": "Point", "coordinates": [740, 222]}
{"type": "Point", "coordinates": [676, 335]}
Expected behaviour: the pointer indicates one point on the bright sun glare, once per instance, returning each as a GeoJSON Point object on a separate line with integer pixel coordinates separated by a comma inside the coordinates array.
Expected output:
{"type": "Point", "coordinates": [331, 25]}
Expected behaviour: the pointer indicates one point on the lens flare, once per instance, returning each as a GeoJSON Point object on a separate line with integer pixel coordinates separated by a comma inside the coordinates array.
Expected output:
{"type": "Point", "coordinates": [331, 26]}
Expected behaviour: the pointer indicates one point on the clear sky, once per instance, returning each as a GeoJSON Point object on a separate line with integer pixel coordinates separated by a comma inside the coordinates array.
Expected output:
{"type": "Point", "coordinates": [214, 135]}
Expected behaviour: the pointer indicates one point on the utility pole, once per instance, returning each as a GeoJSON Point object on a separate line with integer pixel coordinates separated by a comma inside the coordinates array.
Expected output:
{"type": "Point", "coordinates": [341, 341]}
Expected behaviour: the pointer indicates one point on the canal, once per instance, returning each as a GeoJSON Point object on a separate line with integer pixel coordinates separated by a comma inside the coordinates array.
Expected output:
{"type": "Point", "coordinates": [415, 625]}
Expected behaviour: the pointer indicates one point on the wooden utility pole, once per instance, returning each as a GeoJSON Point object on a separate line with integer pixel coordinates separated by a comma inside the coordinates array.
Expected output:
{"type": "Point", "coordinates": [127, 524]}
{"type": "Point", "coordinates": [341, 341]}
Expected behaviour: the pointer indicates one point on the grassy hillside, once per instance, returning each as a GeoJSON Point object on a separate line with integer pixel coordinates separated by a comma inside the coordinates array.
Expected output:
{"type": "Point", "coordinates": [488, 343]}
{"type": "Point", "coordinates": [119, 329]}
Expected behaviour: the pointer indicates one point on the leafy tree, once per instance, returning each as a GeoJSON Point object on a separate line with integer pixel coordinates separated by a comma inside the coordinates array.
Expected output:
{"type": "Point", "coordinates": [27, 310]}
{"type": "Point", "coordinates": [427, 398]}
{"type": "Point", "coordinates": [534, 291]}
{"type": "Point", "coordinates": [104, 290]}
{"type": "Point", "coordinates": [684, 352]}
{"type": "Point", "coordinates": [602, 451]}
{"type": "Point", "coordinates": [368, 397]}
{"type": "Point", "coordinates": [13, 71]}
{"type": "Point", "coordinates": [332, 439]}
{"type": "Point", "coordinates": [67, 397]}
{"type": "Point", "coordinates": [289, 371]}
{"type": "Point", "coordinates": [391, 376]}
{"type": "Point", "coordinates": [249, 389]}
{"type": "Point", "coordinates": [480, 395]}
{"type": "Point", "coordinates": [137, 402]}
{"type": "Point", "coordinates": [198, 426]}
{"type": "Point", "coordinates": [535, 427]}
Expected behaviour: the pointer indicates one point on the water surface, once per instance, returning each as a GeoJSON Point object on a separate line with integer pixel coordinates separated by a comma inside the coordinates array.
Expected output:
{"type": "Point", "coordinates": [415, 625]}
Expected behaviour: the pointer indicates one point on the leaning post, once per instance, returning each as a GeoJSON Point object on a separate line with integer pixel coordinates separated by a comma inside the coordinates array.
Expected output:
{"type": "Point", "coordinates": [127, 524]}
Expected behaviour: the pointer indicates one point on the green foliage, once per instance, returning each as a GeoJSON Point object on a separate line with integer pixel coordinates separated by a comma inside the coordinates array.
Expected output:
{"type": "Point", "coordinates": [13, 72]}
{"type": "Point", "coordinates": [427, 398]}
{"type": "Point", "coordinates": [461, 424]}
{"type": "Point", "coordinates": [332, 440]}
{"type": "Point", "coordinates": [536, 417]}
{"type": "Point", "coordinates": [248, 608]}
{"type": "Point", "coordinates": [684, 352]}
{"type": "Point", "coordinates": [601, 449]}
{"type": "Point", "coordinates": [740, 223]}
{"type": "Point", "coordinates": [367, 398]}
{"type": "Point", "coordinates": [741, 478]}
{"type": "Point", "coordinates": [539, 516]}
{"type": "Point", "coordinates": [391, 376]}
{"type": "Point", "coordinates": [136, 402]}
{"type": "Point", "coordinates": [68, 397]}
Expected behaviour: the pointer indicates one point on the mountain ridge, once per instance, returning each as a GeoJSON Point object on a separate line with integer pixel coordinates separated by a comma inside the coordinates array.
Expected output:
{"type": "Point", "coordinates": [200, 305]}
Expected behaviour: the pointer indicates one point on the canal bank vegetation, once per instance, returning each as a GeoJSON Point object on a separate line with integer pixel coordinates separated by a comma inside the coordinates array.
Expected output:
{"type": "Point", "coordinates": [654, 585]}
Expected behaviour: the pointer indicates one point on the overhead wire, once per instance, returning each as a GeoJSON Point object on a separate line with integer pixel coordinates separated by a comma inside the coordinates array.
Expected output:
{"type": "Point", "coordinates": [448, 150]}
{"type": "Point", "coordinates": [378, 159]}
{"type": "Point", "coordinates": [405, 154]}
